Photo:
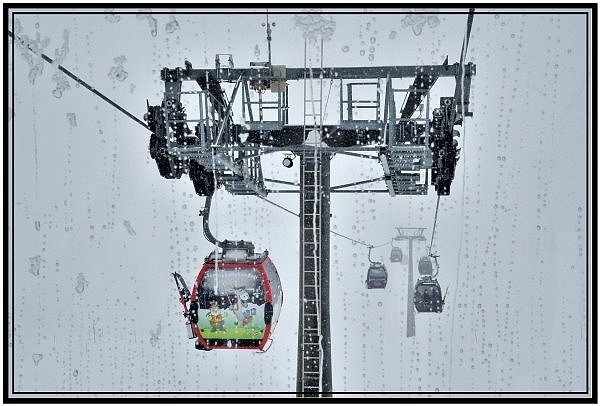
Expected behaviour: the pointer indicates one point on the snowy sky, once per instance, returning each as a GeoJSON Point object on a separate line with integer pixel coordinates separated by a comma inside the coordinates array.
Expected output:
{"type": "Point", "coordinates": [97, 231]}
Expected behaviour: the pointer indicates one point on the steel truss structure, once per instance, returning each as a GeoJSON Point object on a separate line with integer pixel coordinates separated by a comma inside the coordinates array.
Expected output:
{"type": "Point", "coordinates": [212, 147]}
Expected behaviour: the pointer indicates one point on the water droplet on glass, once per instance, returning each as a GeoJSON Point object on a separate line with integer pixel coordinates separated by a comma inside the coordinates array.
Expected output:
{"type": "Point", "coordinates": [72, 119]}
{"type": "Point", "coordinates": [81, 283]}
{"type": "Point", "coordinates": [433, 21]}
{"type": "Point", "coordinates": [113, 18]}
{"type": "Point", "coordinates": [154, 335]}
{"type": "Point", "coordinates": [151, 22]}
{"type": "Point", "coordinates": [315, 26]}
{"type": "Point", "coordinates": [117, 72]}
{"type": "Point", "coordinates": [154, 340]}
{"type": "Point", "coordinates": [172, 26]}
{"type": "Point", "coordinates": [37, 358]}
{"type": "Point", "coordinates": [417, 29]}
{"type": "Point", "coordinates": [128, 227]}
{"type": "Point", "coordinates": [34, 265]}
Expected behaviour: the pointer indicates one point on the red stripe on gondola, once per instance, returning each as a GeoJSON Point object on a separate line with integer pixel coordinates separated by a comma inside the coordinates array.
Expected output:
{"type": "Point", "coordinates": [268, 299]}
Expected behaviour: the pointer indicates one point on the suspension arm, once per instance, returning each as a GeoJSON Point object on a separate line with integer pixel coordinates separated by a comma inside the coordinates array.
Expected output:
{"type": "Point", "coordinates": [205, 225]}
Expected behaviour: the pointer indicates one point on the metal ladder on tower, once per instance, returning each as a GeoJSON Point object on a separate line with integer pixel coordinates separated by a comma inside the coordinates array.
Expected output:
{"type": "Point", "coordinates": [316, 123]}
{"type": "Point", "coordinates": [312, 355]}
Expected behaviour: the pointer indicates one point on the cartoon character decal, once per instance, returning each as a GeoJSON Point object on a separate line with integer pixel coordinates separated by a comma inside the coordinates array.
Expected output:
{"type": "Point", "coordinates": [216, 316]}
{"type": "Point", "coordinates": [231, 306]}
{"type": "Point", "coordinates": [244, 310]}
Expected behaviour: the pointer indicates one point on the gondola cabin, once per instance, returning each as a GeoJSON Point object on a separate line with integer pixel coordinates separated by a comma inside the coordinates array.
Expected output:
{"type": "Point", "coordinates": [236, 299]}
{"type": "Point", "coordinates": [376, 276]}
{"type": "Point", "coordinates": [428, 295]}
{"type": "Point", "coordinates": [396, 255]}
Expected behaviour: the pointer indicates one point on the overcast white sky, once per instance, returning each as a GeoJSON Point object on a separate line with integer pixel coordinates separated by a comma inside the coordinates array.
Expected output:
{"type": "Point", "coordinates": [97, 231]}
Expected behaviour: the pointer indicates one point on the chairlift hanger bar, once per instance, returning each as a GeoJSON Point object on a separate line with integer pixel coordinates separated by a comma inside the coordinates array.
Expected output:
{"type": "Point", "coordinates": [437, 206]}
{"type": "Point", "coordinates": [81, 82]}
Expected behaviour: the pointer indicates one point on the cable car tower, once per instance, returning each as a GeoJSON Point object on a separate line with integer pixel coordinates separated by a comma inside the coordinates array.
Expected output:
{"type": "Point", "coordinates": [214, 151]}
{"type": "Point", "coordinates": [410, 234]}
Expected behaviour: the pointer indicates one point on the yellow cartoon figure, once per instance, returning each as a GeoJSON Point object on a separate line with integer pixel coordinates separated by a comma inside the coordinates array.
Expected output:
{"type": "Point", "coordinates": [216, 317]}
